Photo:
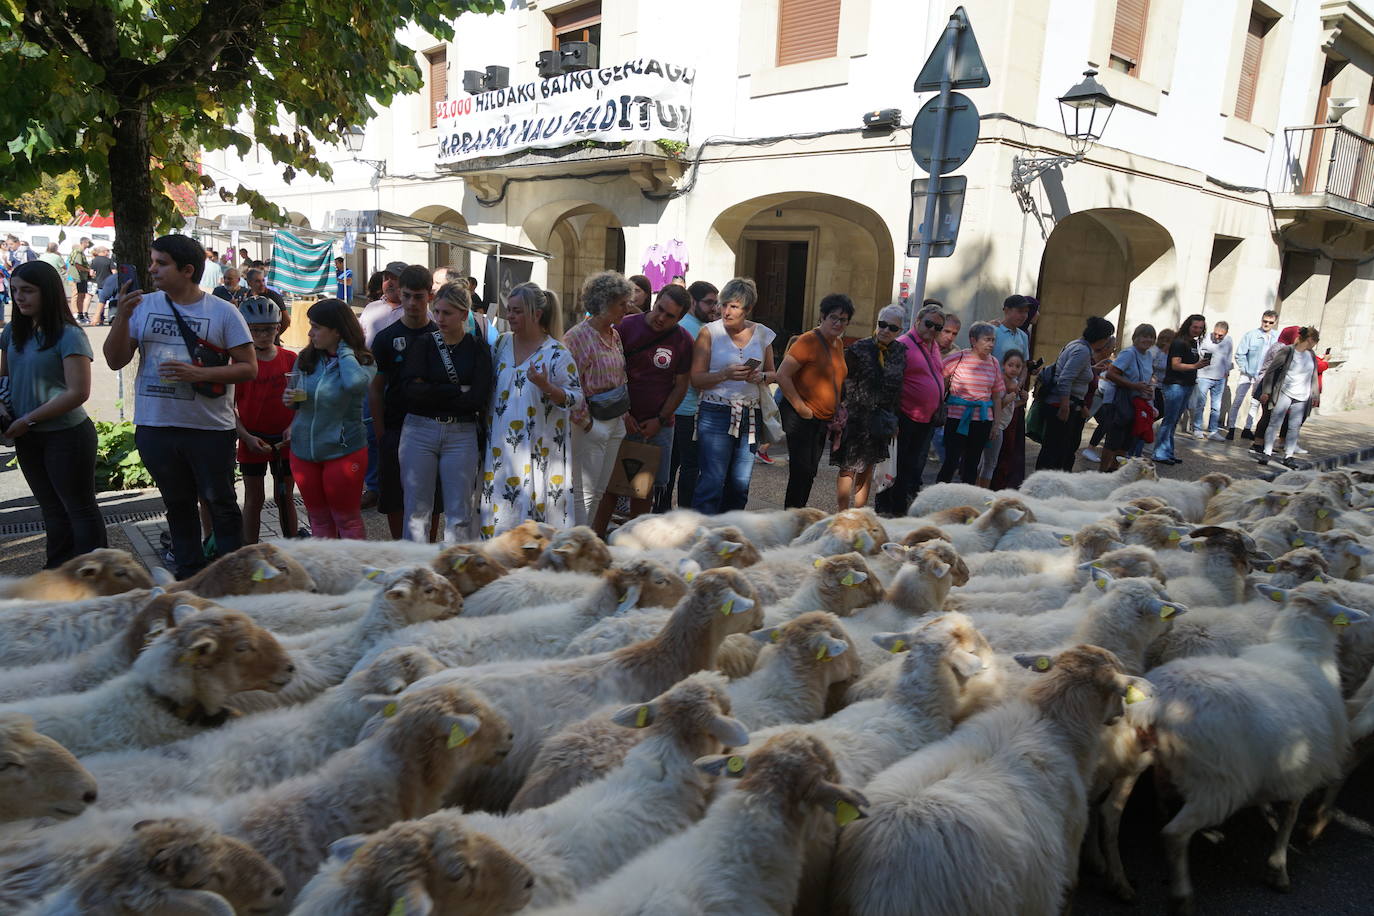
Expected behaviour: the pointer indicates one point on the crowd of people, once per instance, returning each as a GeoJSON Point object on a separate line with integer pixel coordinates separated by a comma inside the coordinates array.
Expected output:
{"type": "Point", "coordinates": [425, 408]}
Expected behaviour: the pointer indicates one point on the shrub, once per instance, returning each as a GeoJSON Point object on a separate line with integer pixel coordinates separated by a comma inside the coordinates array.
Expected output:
{"type": "Point", "coordinates": [118, 465]}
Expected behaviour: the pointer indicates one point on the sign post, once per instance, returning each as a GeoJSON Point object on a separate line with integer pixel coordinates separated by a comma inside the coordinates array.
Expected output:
{"type": "Point", "coordinates": [954, 63]}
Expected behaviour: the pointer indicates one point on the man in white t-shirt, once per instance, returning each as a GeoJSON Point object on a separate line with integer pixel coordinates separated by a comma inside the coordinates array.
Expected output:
{"type": "Point", "coordinates": [187, 439]}
{"type": "Point", "coordinates": [213, 275]}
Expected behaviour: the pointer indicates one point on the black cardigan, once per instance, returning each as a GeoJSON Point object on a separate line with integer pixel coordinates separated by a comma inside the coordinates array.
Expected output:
{"type": "Point", "coordinates": [425, 383]}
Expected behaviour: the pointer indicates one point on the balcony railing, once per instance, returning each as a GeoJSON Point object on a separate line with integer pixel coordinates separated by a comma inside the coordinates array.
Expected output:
{"type": "Point", "coordinates": [1327, 159]}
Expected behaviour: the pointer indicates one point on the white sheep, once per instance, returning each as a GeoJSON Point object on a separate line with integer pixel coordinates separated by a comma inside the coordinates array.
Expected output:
{"type": "Point", "coordinates": [681, 527]}
{"type": "Point", "coordinates": [1346, 554]}
{"type": "Point", "coordinates": [468, 568]}
{"type": "Point", "coordinates": [1189, 497]}
{"type": "Point", "coordinates": [1044, 592]}
{"type": "Point", "coordinates": [990, 571]}
{"type": "Point", "coordinates": [716, 548]}
{"type": "Point", "coordinates": [1220, 563]}
{"type": "Point", "coordinates": [323, 658]}
{"type": "Point", "coordinates": [303, 612]}
{"type": "Point", "coordinates": [1048, 484]}
{"type": "Point", "coordinates": [263, 749]}
{"type": "Point", "coordinates": [744, 856]}
{"type": "Point", "coordinates": [253, 569]}
{"type": "Point", "coordinates": [859, 530]}
{"type": "Point", "coordinates": [540, 696]}
{"type": "Point", "coordinates": [400, 769]}
{"type": "Point", "coordinates": [48, 631]}
{"type": "Point", "coordinates": [532, 587]}
{"type": "Point", "coordinates": [989, 819]}
{"type": "Point", "coordinates": [170, 866]}
{"type": "Point", "coordinates": [983, 533]}
{"type": "Point", "coordinates": [1268, 726]}
{"type": "Point", "coordinates": [38, 776]}
{"type": "Point", "coordinates": [101, 572]}
{"type": "Point", "coordinates": [942, 496]}
{"type": "Point", "coordinates": [179, 686]}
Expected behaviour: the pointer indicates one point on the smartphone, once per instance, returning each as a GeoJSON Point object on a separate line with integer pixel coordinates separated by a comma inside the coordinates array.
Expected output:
{"type": "Point", "coordinates": [752, 364]}
{"type": "Point", "coordinates": [127, 273]}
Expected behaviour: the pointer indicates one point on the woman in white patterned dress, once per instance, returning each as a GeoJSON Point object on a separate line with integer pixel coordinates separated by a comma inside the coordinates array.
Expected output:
{"type": "Point", "coordinates": [528, 465]}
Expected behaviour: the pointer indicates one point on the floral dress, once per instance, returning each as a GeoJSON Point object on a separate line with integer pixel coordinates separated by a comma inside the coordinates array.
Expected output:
{"type": "Point", "coordinates": [528, 466]}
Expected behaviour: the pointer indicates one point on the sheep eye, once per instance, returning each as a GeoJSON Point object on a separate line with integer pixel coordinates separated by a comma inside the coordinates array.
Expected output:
{"type": "Point", "coordinates": [243, 648]}
{"type": "Point", "coordinates": [122, 573]}
{"type": "Point", "coordinates": [10, 765]}
{"type": "Point", "coordinates": [429, 589]}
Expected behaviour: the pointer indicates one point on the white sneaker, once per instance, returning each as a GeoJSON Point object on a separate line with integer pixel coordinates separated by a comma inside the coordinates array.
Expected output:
{"type": "Point", "coordinates": [1217, 436]}
{"type": "Point", "coordinates": [1092, 455]}
{"type": "Point", "coordinates": [1185, 433]}
{"type": "Point", "coordinates": [1300, 450]}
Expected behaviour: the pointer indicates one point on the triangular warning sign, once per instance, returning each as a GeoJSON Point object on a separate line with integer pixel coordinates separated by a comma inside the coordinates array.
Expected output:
{"type": "Point", "coordinates": [631, 467]}
{"type": "Point", "coordinates": [969, 70]}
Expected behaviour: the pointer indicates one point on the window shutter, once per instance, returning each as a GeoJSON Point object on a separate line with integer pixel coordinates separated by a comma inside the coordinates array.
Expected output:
{"type": "Point", "coordinates": [1250, 67]}
{"type": "Point", "coordinates": [438, 82]}
{"type": "Point", "coordinates": [1128, 32]}
{"type": "Point", "coordinates": [807, 30]}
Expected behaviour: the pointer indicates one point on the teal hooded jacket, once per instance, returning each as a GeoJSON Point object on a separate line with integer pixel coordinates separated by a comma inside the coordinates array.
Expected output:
{"type": "Point", "coordinates": [329, 422]}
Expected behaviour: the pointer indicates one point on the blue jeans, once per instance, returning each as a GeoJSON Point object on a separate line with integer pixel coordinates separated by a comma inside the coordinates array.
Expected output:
{"type": "Point", "coordinates": [432, 451]}
{"type": "Point", "coordinates": [1175, 399]}
{"type": "Point", "coordinates": [725, 462]}
{"type": "Point", "coordinates": [1209, 392]}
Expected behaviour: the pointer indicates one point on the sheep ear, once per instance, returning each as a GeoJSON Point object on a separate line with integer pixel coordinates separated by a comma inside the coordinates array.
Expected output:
{"type": "Point", "coordinates": [640, 715]}
{"type": "Point", "coordinates": [342, 849]}
{"type": "Point", "coordinates": [688, 569]}
{"type": "Point", "coordinates": [895, 551]}
{"type": "Point", "coordinates": [892, 642]}
{"type": "Point", "coordinates": [447, 851]}
{"type": "Point", "coordinates": [460, 728]}
{"type": "Point", "coordinates": [262, 571]}
{"type": "Point", "coordinates": [203, 646]}
{"type": "Point", "coordinates": [1169, 609]}
{"type": "Point", "coordinates": [183, 612]}
{"type": "Point", "coordinates": [853, 577]}
{"type": "Point", "coordinates": [728, 548]}
{"type": "Point", "coordinates": [729, 732]}
{"type": "Point", "coordinates": [863, 542]}
{"type": "Point", "coordinates": [1272, 592]}
{"type": "Point", "coordinates": [1130, 512]}
{"type": "Point", "coordinates": [1135, 689]}
{"type": "Point", "coordinates": [939, 569]}
{"type": "Point", "coordinates": [414, 902]}
{"type": "Point", "coordinates": [88, 570]}
{"type": "Point", "coordinates": [767, 634]}
{"type": "Point", "coordinates": [1100, 577]}
{"type": "Point", "coordinates": [380, 703]}
{"type": "Point", "coordinates": [1177, 533]}
{"type": "Point", "coordinates": [1014, 514]}
{"type": "Point", "coordinates": [532, 546]}
{"type": "Point", "coordinates": [735, 603]}
{"type": "Point", "coordinates": [728, 765]}
{"type": "Point", "coordinates": [1358, 550]}
{"type": "Point", "coordinates": [629, 599]}
{"type": "Point", "coordinates": [966, 663]}
{"type": "Point", "coordinates": [163, 577]}
{"type": "Point", "coordinates": [827, 647]}
{"type": "Point", "coordinates": [1343, 616]}
{"type": "Point", "coordinates": [1187, 547]}
{"type": "Point", "coordinates": [817, 561]}
{"type": "Point", "coordinates": [372, 573]}
{"type": "Point", "coordinates": [846, 804]}
{"type": "Point", "coordinates": [1039, 663]}
{"type": "Point", "coordinates": [546, 530]}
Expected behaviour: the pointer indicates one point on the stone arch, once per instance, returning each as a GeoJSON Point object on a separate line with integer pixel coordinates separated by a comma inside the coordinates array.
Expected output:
{"type": "Point", "coordinates": [1118, 264]}
{"type": "Point", "coordinates": [800, 246]}
{"type": "Point", "coordinates": [584, 238]}
{"type": "Point", "coordinates": [440, 253]}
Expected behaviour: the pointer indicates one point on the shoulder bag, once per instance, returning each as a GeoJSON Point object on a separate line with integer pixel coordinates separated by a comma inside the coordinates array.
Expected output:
{"type": "Point", "coordinates": [203, 353]}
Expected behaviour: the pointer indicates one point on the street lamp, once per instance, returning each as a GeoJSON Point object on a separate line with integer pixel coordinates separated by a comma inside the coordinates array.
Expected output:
{"type": "Point", "coordinates": [1084, 111]}
{"type": "Point", "coordinates": [353, 139]}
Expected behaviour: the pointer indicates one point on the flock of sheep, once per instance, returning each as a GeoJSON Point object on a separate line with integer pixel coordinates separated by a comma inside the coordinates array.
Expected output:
{"type": "Point", "coordinates": [759, 712]}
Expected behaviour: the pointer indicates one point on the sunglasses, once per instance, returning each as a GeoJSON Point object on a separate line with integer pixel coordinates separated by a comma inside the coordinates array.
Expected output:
{"type": "Point", "coordinates": [930, 325]}
{"type": "Point", "coordinates": [894, 328]}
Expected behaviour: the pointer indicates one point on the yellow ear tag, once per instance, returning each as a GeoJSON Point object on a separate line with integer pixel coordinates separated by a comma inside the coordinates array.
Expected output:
{"type": "Point", "coordinates": [1322, 513]}
{"type": "Point", "coordinates": [897, 646]}
{"type": "Point", "coordinates": [727, 607]}
{"type": "Point", "coordinates": [1341, 620]}
{"type": "Point", "coordinates": [389, 710]}
{"type": "Point", "coordinates": [1175, 536]}
{"type": "Point", "coordinates": [1320, 578]}
{"type": "Point", "coordinates": [817, 562]}
{"type": "Point", "coordinates": [822, 655]}
{"type": "Point", "coordinates": [723, 552]}
{"type": "Point", "coordinates": [1066, 539]}
{"type": "Point", "coordinates": [457, 737]}
{"type": "Point", "coordinates": [398, 908]}
{"type": "Point", "coordinates": [1096, 564]}
{"type": "Point", "coordinates": [1042, 663]}
{"type": "Point", "coordinates": [187, 658]}
{"type": "Point", "coordinates": [372, 574]}
{"type": "Point", "coordinates": [845, 813]}
{"type": "Point", "coordinates": [1134, 694]}
{"type": "Point", "coordinates": [1167, 610]}
{"type": "Point", "coordinates": [1271, 568]}
{"type": "Point", "coordinates": [257, 576]}
{"type": "Point", "coordinates": [1283, 500]}
{"type": "Point", "coordinates": [1274, 596]}
{"type": "Point", "coordinates": [848, 579]}
{"type": "Point", "coordinates": [775, 635]}
{"type": "Point", "coordinates": [858, 543]}
{"type": "Point", "coordinates": [735, 763]}
{"type": "Point", "coordinates": [642, 717]}
{"type": "Point", "coordinates": [1299, 542]}
{"type": "Point", "coordinates": [689, 577]}
{"type": "Point", "coordinates": [1101, 585]}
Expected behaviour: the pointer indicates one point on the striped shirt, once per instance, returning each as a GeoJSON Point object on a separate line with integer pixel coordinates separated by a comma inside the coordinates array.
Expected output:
{"type": "Point", "coordinates": [972, 379]}
{"type": "Point", "coordinates": [600, 365]}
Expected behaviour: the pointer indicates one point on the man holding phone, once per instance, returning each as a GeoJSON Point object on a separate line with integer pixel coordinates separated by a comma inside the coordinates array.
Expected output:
{"type": "Point", "coordinates": [187, 340]}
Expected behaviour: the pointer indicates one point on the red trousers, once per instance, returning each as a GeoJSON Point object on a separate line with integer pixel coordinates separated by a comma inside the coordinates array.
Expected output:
{"type": "Point", "coordinates": [333, 494]}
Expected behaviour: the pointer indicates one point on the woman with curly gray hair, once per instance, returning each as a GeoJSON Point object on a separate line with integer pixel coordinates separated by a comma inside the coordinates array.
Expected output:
{"type": "Point", "coordinates": [599, 422]}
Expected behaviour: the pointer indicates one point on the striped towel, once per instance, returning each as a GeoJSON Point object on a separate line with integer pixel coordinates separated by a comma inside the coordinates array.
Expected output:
{"type": "Point", "coordinates": [299, 267]}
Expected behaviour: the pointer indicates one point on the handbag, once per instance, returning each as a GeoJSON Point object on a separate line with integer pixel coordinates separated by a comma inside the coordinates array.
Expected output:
{"type": "Point", "coordinates": [770, 418]}
{"type": "Point", "coordinates": [1035, 421]}
{"type": "Point", "coordinates": [203, 353]}
{"type": "Point", "coordinates": [609, 405]}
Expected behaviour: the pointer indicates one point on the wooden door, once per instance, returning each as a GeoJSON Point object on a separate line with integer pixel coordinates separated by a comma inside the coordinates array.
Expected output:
{"type": "Point", "coordinates": [1318, 137]}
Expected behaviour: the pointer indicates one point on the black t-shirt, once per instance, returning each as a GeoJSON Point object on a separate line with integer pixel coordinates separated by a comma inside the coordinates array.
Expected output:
{"type": "Point", "coordinates": [389, 349]}
{"type": "Point", "coordinates": [1185, 349]}
{"type": "Point", "coordinates": [103, 267]}
{"type": "Point", "coordinates": [429, 392]}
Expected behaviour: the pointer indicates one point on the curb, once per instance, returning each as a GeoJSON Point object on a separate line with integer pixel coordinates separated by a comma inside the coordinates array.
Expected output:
{"type": "Point", "coordinates": [1325, 464]}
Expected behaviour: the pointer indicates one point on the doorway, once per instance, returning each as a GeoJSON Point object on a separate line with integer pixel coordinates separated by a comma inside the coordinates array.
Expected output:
{"type": "Point", "coordinates": [780, 271]}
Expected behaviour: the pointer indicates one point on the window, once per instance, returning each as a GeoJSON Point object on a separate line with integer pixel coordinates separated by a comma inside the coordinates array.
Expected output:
{"type": "Point", "coordinates": [1128, 35]}
{"type": "Point", "coordinates": [438, 81]}
{"type": "Point", "coordinates": [1250, 65]}
{"type": "Point", "coordinates": [581, 23]}
{"type": "Point", "coordinates": [807, 30]}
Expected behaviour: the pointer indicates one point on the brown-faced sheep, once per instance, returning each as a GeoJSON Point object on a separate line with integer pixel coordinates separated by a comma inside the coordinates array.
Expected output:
{"type": "Point", "coordinates": [100, 572]}
{"type": "Point", "coordinates": [38, 776]}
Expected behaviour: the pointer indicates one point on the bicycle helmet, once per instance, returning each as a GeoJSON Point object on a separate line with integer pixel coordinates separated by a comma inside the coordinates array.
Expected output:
{"type": "Point", "coordinates": [260, 310]}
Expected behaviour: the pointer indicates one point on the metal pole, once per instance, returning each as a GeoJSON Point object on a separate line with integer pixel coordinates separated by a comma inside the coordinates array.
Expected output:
{"type": "Point", "coordinates": [937, 158]}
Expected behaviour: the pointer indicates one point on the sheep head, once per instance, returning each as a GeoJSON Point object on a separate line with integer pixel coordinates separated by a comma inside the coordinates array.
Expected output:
{"type": "Point", "coordinates": [791, 770]}
{"type": "Point", "coordinates": [1005, 513]}
{"type": "Point", "coordinates": [1157, 531]}
{"type": "Point", "coordinates": [926, 533]}
{"type": "Point", "coordinates": [1126, 563]}
{"type": "Point", "coordinates": [845, 583]}
{"type": "Point", "coordinates": [468, 568]}
{"type": "Point", "coordinates": [1216, 481]}
{"type": "Point", "coordinates": [1311, 607]}
{"type": "Point", "coordinates": [723, 601]}
{"type": "Point", "coordinates": [646, 583]}
{"type": "Point", "coordinates": [856, 530]}
{"type": "Point", "coordinates": [170, 863]}
{"type": "Point", "coordinates": [432, 734]}
{"type": "Point", "coordinates": [1313, 510]}
{"type": "Point", "coordinates": [1242, 550]}
{"type": "Point", "coordinates": [38, 776]}
{"type": "Point", "coordinates": [949, 650]}
{"type": "Point", "coordinates": [926, 575]}
{"type": "Point", "coordinates": [1137, 609]}
{"type": "Point", "coordinates": [1095, 539]}
{"type": "Point", "coordinates": [725, 546]}
{"type": "Point", "coordinates": [1083, 688]}
{"type": "Point", "coordinates": [805, 517]}
{"type": "Point", "coordinates": [956, 515]}
{"type": "Point", "coordinates": [814, 645]}
{"type": "Point", "coordinates": [254, 569]}
{"type": "Point", "coordinates": [211, 654]}
{"type": "Point", "coordinates": [694, 713]}
{"type": "Point", "coordinates": [521, 545]}
{"type": "Point", "coordinates": [1147, 503]}
{"type": "Point", "coordinates": [1138, 469]}
{"type": "Point", "coordinates": [1303, 564]}
{"type": "Point", "coordinates": [434, 865]}
{"type": "Point", "coordinates": [1344, 552]}
{"type": "Point", "coordinates": [576, 549]}
{"type": "Point", "coordinates": [106, 572]}
{"type": "Point", "coordinates": [414, 594]}
{"type": "Point", "coordinates": [156, 617]}
{"type": "Point", "coordinates": [395, 669]}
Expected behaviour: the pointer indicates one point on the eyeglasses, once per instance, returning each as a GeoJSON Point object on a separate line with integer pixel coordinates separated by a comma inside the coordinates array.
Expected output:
{"type": "Point", "coordinates": [932, 326]}
{"type": "Point", "coordinates": [1267, 322]}
{"type": "Point", "coordinates": [837, 318]}
{"type": "Point", "coordinates": [709, 301]}
{"type": "Point", "coordinates": [894, 328]}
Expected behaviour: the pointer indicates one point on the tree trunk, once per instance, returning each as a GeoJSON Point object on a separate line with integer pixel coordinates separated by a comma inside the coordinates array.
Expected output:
{"type": "Point", "coordinates": [131, 187]}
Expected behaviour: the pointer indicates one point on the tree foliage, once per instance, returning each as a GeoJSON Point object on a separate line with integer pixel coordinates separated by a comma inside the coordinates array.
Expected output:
{"type": "Point", "coordinates": [118, 91]}
{"type": "Point", "coordinates": [50, 202]}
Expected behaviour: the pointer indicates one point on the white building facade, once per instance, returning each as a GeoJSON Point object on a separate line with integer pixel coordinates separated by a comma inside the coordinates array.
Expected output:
{"type": "Point", "coordinates": [1235, 174]}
